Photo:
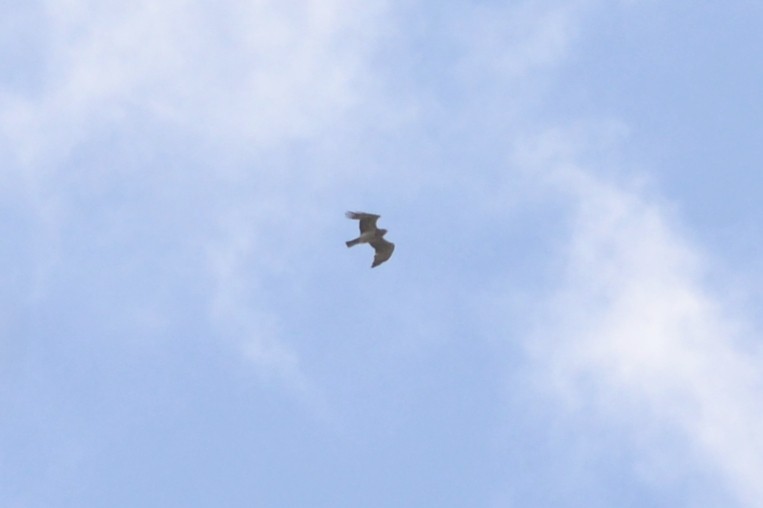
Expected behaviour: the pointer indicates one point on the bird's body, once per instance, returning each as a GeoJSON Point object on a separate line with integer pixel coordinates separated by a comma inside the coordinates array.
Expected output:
{"type": "Point", "coordinates": [371, 235]}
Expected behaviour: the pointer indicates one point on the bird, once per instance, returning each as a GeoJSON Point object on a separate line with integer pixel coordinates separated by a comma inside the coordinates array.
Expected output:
{"type": "Point", "coordinates": [371, 235]}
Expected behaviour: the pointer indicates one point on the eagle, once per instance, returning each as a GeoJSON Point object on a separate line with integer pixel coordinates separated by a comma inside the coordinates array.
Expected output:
{"type": "Point", "coordinates": [371, 235]}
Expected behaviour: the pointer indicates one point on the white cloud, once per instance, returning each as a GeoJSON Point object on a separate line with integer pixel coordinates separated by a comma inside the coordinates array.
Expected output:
{"type": "Point", "coordinates": [259, 72]}
{"type": "Point", "coordinates": [633, 332]}
{"type": "Point", "coordinates": [236, 81]}
{"type": "Point", "coordinates": [519, 39]}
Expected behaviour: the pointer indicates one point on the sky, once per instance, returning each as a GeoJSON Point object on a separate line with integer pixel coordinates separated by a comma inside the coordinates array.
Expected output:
{"type": "Point", "coordinates": [568, 320]}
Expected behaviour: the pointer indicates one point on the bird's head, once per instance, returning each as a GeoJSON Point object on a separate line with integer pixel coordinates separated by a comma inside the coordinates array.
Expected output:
{"type": "Point", "coordinates": [382, 232]}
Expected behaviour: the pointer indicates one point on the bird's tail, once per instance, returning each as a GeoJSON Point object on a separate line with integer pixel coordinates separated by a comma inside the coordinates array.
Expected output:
{"type": "Point", "coordinates": [350, 243]}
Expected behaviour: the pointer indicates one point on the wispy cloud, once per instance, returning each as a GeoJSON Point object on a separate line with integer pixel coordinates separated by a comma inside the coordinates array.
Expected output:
{"type": "Point", "coordinates": [259, 72]}
{"type": "Point", "coordinates": [519, 39]}
{"type": "Point", "coordinates": [235, 85]}
{"type": "Point", "coordinates": [633, 332]}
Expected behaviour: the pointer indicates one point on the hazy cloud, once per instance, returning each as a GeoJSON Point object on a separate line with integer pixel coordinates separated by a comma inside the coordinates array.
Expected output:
{"type": "Point", "coordinates": [229, 87]}
{"type": "Point", "coordinates": [633, 333]}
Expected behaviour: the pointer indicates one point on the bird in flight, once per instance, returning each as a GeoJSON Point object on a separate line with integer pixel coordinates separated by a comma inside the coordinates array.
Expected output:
{"type": "Point", "coordinates": [371, 235]}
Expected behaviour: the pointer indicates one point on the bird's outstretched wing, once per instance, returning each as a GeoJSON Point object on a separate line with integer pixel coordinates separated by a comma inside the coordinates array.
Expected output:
{"type": "Point", "coordinates": [383, 250]}
{"type": "Point", "coordinates": [367, 220]}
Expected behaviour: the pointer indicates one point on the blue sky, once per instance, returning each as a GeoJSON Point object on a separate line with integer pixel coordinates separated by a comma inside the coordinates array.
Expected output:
{"type": "Point", "coordinates": [569, 318]}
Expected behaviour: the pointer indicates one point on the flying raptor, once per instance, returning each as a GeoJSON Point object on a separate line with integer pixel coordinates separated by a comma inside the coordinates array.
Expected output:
{"type": "Point", "coordinates": [371, 235]}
